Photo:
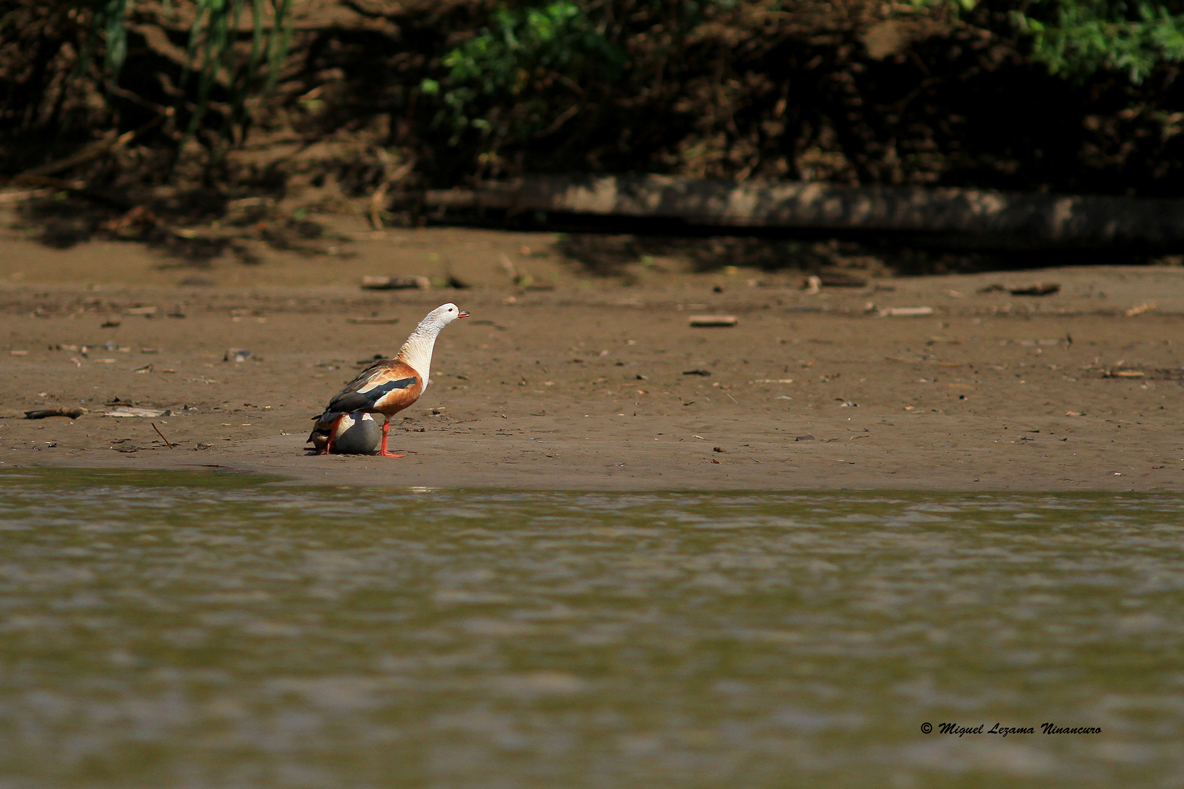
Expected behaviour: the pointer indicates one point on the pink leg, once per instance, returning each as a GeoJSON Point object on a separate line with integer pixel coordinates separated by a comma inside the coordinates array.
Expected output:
{"type": "Point", "coordinates": [386, 428]}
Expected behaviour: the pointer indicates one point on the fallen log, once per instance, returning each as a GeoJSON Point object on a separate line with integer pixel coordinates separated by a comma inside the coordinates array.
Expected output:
{"type": "Point", "coordinates": [990, 218]}
{"type": "Point", "coordinates": [45, 413]}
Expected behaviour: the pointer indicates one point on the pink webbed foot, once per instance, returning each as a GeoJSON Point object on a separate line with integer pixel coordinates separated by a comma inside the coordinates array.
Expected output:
{"type": "Point", "coordinates": [386, 427]}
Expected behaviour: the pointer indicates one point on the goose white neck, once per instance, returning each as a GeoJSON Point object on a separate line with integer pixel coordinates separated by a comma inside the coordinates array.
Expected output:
{"type": "Point", "coordinates": [417, 351]}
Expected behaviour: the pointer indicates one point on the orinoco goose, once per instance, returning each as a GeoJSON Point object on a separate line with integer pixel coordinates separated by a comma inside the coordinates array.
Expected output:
{"type": "Point", "coordinates": [385, 387]}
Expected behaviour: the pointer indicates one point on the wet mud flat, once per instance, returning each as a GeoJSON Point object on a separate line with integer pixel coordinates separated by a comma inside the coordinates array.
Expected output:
{"type": "Point", "coordinates": [944, 383]}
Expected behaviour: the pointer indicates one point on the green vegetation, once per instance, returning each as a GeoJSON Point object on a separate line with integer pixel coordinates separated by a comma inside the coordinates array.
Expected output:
{"type": "Point", "coordinates": [1071, 95]}
{"type": "Point", "coordinates": [71, 55]}
{"type": "Point", "coordinates": [212, 39]}
{"type": "Point", "coordinates": [523, 76]}
{"type": "Point", "coordinates": [110, 23]}
{"type": "Point", "coordinates": [1076, 38]}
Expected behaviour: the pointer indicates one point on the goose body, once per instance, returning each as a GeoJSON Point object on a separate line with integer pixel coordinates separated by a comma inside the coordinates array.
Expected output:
{"type": "Point", "coordinates": [353, 434]}
{"type": "Point", "coordinates": [385, 387]}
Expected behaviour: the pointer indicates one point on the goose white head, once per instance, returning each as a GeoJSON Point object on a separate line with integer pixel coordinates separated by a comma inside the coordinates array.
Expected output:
{"type": "Point", "coordinates": [417, 351]}
{"type": "Point", "coordinates": [442, 316]}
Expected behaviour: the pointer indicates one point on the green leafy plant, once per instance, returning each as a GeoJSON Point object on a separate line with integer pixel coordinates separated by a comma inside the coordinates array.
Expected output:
{"type": "Point", "coordinates": [1079, 37]}
{"type": "Point", "coordinates": [110, 18]}
{"type": "Point", "coordinates": [212, 50]}
{"type": "Point", "coordinates": [524, 76]}
{"type": "Point", "coordinates": [214, 53]}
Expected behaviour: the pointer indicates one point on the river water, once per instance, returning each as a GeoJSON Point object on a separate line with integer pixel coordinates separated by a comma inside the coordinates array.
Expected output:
{"type": "Point", "coordinates": [197, 630]}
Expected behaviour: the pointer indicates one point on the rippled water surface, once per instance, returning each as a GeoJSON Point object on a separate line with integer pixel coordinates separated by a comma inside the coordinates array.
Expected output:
{"type": "Point", "coordinates": [176, 630]}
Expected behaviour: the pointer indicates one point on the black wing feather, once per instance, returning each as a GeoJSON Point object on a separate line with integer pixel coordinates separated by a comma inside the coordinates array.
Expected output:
{"type": "Point", "coordinates": [352, 400]}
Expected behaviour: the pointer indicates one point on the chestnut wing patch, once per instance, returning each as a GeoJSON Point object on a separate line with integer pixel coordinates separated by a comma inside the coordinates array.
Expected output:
{"type": "Point", "coordinates": [364, 401]}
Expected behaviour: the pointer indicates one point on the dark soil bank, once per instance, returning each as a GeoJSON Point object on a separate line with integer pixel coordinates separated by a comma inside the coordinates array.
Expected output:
{"type": "Point", "coordinates": [396, 97]}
